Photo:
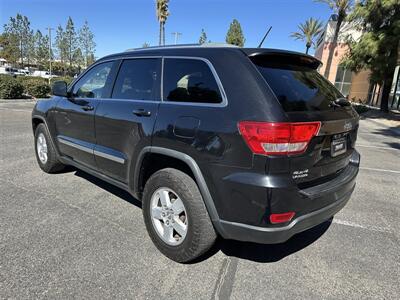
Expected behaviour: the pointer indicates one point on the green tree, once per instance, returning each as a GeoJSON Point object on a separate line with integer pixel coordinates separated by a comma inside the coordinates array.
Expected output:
{"type": "Point", "coordinates": [162, 15]}
{"type": "Point", "coordinates": [79, 61]}
{"type": "Point", "coordinates": [61, 46]}
{"type": "Point", "coordinates": [20, 35]}
{"type": "Point", "coordinates": [203, 37]}
{"type": "Point", "coordinates": [235, 34]}
{"type": "Point", "coordinates": [341, 8]}
{"type": "Point", "coordinates": [378, 49]}
{"type": "Point", "coordinates": [30, 47]}
{"type": "Point", "coordinates": [86, 42]}
{"type": "Point", "coordinates": [308, 31]}
{"type": "Point", "coordinates": [91, 59]}
{"type": "Point", "coordinates": [9, 48]}
{"type": "Point", "coordinates": [71, 40]}
{"type": "Point", "coordinates": [145, 45]}
{"type": "Point", "coordinates": [41, 53]}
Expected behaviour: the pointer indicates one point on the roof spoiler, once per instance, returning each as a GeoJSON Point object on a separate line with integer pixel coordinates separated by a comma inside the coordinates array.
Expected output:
{"type": "Point", "coordinates": [287, 57]}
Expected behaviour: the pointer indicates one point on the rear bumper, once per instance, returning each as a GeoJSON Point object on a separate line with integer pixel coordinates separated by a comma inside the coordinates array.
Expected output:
{"type": "Point", "coordinates": [266, 235]}
{"type": "Point", "coordinates": [335, 193]}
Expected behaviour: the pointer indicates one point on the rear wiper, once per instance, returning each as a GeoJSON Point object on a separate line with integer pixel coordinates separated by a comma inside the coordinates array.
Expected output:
{"type": "Point", "coordinates": [340, 102]}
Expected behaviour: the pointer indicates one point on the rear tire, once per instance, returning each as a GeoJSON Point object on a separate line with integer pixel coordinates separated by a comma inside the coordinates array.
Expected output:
{"type": "Point", "coordinates": [46, 155]}
{"type": "Point", "coordinates": [187, 242]}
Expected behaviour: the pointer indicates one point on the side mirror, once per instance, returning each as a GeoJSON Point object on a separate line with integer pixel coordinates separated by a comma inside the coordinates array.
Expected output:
{"type": "Point", "coordinates": [59, 88]}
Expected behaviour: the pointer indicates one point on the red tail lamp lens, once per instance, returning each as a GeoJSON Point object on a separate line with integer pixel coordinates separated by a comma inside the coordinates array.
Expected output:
{"type": "Point", "coordinates": [278, 138]}
{"type": "Point", "coordinates": [281, 218]}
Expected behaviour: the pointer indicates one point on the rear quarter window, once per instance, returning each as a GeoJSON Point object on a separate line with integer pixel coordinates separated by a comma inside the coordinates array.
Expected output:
{"type": "Point", "coordinates": [297, 87]}
{"type": "Point", "coordinates": [189, 80]}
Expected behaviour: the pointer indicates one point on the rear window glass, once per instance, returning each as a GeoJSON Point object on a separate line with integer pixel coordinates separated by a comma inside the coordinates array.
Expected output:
{"type": "Point", "coordinates": [137, 80]}
{"type": "Point", "coordinates": [298, 88]}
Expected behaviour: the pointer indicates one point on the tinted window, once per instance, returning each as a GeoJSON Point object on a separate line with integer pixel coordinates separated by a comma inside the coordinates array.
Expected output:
{"type": "Point", "coordinates": [189, 80]}
{"type": "Point", "coordinates": [298, 88]}
{"type": "Point", "coordinates": [137, 80]}
{"type": "Point", "coordinates": [91, 85]}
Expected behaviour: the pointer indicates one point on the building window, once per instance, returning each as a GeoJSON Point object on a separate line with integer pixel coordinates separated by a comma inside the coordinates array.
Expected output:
{"type": "Point", "coordinates": [395, 90]}
{"type": "Point", "coordinates": [343, 80]}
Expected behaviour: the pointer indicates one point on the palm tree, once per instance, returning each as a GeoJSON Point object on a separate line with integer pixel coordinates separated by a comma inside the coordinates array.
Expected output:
{"type": "Point", "coordinates": [162, 15]}
{"type": "Point", "coordinates": [308, 31]}
{"type": "Point", "coordinates": [341, 8]}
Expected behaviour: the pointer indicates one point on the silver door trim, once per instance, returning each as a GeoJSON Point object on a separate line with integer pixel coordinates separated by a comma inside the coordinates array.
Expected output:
{"type": "Point", "coordinates": [91, 151]}
{"type": "Point", "coordinates": [109, 156]}
{"type": "Point", "coordinates": [74, 145]}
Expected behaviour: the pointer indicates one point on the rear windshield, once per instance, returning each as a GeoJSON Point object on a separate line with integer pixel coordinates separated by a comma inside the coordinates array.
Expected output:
{"type": "Point", "coordinates": [298, 88]}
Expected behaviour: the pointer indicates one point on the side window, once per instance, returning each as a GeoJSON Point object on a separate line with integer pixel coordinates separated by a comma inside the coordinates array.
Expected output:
{"type": "Point", "coordinates": [189, 80]}
{"type": "Point", "coordinates": [137, 80]}
{"type": "Point", "coordinates": [91, 85]}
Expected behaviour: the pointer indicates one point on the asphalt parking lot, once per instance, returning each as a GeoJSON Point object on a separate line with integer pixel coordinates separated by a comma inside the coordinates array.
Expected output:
{"type": "Point", "coordinates": [73, 236]}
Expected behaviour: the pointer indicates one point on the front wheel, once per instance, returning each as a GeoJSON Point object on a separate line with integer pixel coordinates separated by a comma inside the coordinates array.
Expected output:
{"type": "Point", "coordinates": [46, 155]}
{"type": "Point", "coordinates": [176, 217]}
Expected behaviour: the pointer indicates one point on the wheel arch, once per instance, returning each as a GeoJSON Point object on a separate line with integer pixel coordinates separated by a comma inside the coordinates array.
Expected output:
{"type": "Point", "coordinates": [35, 123]}
{"type": "Point", "coordinates": [36, 120]}
{"type": "Point", "coordinates": [185, 160]}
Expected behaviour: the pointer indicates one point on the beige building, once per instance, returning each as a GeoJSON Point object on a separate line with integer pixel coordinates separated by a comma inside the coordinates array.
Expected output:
{"type": "Point", "coordinates": [355, 86]}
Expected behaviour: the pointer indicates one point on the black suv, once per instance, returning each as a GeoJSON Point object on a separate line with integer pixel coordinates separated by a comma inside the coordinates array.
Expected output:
{"type": "Point", "coordinates": [251, 144]}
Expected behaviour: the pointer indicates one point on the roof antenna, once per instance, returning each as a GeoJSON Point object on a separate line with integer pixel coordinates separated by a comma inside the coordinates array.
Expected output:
{"type": "Point", "coordinates": [259, 46]}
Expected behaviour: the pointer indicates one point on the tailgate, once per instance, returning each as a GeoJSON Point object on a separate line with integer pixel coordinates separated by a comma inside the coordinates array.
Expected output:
{"type": "Point", "coordinates": [306, 96]}
{"type": "Point", "coordinates": [329, 152]}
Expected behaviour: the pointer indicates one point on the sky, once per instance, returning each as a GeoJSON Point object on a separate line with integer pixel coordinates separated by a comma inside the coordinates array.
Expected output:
{"type": "Point", "coordinates": [122, 24]}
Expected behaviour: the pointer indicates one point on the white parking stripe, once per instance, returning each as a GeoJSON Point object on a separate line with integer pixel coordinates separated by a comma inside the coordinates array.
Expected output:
{"type": "Point", "coordinates": [13, 109]}
{"type": "Point", "coordinates": [380, 170]}
{"type": "Point", "coordinates": [378, 147]}
{"type": "Point", "coordinates": [367, 227]}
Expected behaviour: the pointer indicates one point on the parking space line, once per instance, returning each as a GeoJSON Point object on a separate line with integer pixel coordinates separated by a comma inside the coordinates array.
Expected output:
{"type": "Point", "coordinates": [226, 278]}
{"type": "Point", "coordinates": [355, 225]}
{"type": "Point", "coordinates": [377, 147]}
{"type": "Point", "coordinates": [13, 109]}
{"type": "Point", "coordinates": [380, 170]}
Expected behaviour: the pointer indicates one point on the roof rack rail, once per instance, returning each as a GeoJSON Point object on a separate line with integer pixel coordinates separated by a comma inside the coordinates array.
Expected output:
{"type": "Point", "coordinates": [216, 45]}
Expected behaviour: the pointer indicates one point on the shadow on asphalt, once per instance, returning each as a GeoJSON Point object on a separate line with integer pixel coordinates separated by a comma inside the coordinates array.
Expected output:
{"type": "Point", "coordinates": [393, 145]}
{"type": "Point", "coordinates": [263, 253]}
{"type": "Point", "coordinates": [244, 250]}
{"type": "Point", "coordinates": [109, 188]}
{"type": "Point", "coordinates": [378, 114]}
{"type": "Point", "coordinates": [389, 132]}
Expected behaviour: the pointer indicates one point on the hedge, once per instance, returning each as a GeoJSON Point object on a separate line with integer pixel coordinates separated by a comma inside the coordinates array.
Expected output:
{"type": "Point", "coordinates": [67, 79]}
{"type": "Point", "coordinates": [35, 86]}
{"type": "Point", "coordinates": [10, 88]}
{"type": "Point", "coordinates": [38, 87]}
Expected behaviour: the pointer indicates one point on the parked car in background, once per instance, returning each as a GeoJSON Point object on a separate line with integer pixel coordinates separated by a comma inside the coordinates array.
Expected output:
{"type": "Point", "coordinates": [8, 71]}
{"type": "Point", "coordinates": [43, 74]}
{"type": "Point", "coordinates": [248, 143]}
{"type": "Point", "coordinates": [22, 72]}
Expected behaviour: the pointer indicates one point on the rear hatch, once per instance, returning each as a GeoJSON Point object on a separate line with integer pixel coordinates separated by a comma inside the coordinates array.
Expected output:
{"type": "Point", "coordinates": [306, 96]}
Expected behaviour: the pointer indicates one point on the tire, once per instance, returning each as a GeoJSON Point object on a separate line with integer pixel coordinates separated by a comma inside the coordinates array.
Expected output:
{"type": "Point", "coordinates": [200, 234]}
{"type": "Point", "coordinates": [51, 163]}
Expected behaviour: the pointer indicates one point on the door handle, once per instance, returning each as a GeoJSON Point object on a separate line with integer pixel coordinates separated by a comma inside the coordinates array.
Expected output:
{"type": "Point", "coordinates": [87, 107]}
{"type": "Point", "coordinates": [142, 113]}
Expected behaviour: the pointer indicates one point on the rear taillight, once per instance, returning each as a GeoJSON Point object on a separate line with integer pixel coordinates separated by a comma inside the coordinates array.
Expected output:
{"type": "Point", "coordinates": [278, 138]}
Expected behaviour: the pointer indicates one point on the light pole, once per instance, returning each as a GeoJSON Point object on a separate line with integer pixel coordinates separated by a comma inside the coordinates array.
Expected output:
{"type": "Point", "coordinates": [49, 29]}
{"type": "Point", "coordinates": [177, 34]}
